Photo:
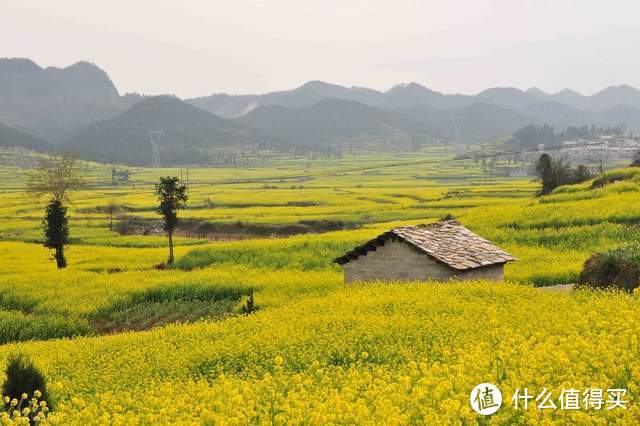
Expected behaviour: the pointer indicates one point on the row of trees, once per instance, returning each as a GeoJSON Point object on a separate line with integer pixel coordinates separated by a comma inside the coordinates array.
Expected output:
{"type": "Point", "coordinates": [58, 176]}
{"type": "Point", "coordinates": [554, 172]}
{"type": "Point", "coordinates": [531, 136]}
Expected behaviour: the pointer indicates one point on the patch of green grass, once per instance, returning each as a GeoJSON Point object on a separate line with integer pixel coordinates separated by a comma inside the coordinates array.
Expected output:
{"type": "Point", "coordinates": [168, 304]}
{"type": "Point", "coordinates": [13, 301]}
{"type": "Point", "coordinates": [131, 311]}
{"type": "Point", "coordinates": [144, 316]}
{"type": "Point", "coordinates": [16, 326]}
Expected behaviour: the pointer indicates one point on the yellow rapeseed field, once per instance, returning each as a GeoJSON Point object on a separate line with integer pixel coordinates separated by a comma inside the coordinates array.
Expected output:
{"type": "Point", "coordinates": [317, 352]}
{"type": "Point", "coordinates": [397, 353]}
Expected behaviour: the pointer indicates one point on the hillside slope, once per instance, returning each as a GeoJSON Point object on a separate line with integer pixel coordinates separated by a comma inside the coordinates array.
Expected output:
{"type": "Point", "coordinates": [182, 131]}
{"type": "Point", "coordinates": [10, 137]}
{"type": "Point", "coordinates": [326, 122]}
{"type": "Point", "coordinates": [53, 103]}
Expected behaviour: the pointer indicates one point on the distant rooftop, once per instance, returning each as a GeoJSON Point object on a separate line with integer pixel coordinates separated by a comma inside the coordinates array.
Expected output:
{"type": "Point", "coordinates": [448, 242]}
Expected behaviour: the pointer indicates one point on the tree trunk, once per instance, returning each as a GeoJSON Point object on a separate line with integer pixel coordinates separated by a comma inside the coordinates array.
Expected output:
{"type": "Point", "coordinates": [59, 256]}
{"type": "Point", "coordinates": [170, 247]}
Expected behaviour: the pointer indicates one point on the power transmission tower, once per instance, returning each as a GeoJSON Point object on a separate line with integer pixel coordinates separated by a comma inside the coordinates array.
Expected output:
{"type": "Point", "coordinates": [457, 131]}
{"type": "Point", "coordinates": [154, 137]}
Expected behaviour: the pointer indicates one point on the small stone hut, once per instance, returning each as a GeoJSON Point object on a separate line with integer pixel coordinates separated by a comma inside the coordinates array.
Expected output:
{"type": "Point", "coordinates": [437, 251]}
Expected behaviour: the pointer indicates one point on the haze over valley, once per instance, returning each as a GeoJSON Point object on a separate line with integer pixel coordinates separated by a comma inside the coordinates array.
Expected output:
{"type": "Point", "coordinates": [79, 108]}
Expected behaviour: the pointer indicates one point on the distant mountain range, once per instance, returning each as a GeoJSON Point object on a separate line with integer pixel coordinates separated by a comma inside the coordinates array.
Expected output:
{"type": "Point", "coordinates": [414, 95]}
{"type": "Point", "coordinates": [79, 107]}
{"type": "Point", "coordinates": [183, 131]}
{"type": "Point", "coordinates": [54, 103]}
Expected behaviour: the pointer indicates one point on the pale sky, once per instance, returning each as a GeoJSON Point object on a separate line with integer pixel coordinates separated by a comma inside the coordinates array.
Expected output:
{"type": "Point", "coordinates": [198, 47]}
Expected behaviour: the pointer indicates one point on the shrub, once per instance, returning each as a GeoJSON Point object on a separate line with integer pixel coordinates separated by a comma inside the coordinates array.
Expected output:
{"type": "Point", "coordinates": [554, 172]}
{"type": "Point", "coordinates": [618, 268]}
{"type": "Point", "coordinates": [16, 326]}
{"type": "Point", "coordinates": [23, 377]}
{"type": "Point", "coordinates": [249, 307]}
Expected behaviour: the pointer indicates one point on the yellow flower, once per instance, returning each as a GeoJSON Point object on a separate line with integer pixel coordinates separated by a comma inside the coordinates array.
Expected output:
{"type": "Point", "coordinates": [37, 393]}
{"type": "Point", "coordinates": [434, 343]}
{"type": "Point", "coordinates": [6, 399]}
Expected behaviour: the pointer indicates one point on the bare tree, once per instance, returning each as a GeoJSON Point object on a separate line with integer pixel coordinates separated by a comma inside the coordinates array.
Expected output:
{"type": "Point", "coordinates": [56, 177]}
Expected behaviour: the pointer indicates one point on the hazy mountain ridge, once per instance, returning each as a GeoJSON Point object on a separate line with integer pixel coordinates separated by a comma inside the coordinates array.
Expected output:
{"type": "Point", "coordinates": [188, 132]}
{"type": "Point", "coordinates": [435, 112]}
{"type": "Point", "coordinates": [328, 121]}
{"type": "Point", "coordinates": [23, 77]}
{"type": "Point", "coordinates": [79, 107]}
{"type": "Point", "coordinates": [311, 124]}
{"type": "Point", "coordinates": [413, 94]}
{"type": "Point", "coordinates": [10, 137]}
{"type": "Point", "coordinates": [183, 133]}
{"type": "Point", "coordinates": [53, 103]}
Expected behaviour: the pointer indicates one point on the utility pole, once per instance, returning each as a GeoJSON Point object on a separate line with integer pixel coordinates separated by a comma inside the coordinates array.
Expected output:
{"type": "Point", "coordinates": [484, 171]}
{"type": "Point", "coordinates": [112, 209]}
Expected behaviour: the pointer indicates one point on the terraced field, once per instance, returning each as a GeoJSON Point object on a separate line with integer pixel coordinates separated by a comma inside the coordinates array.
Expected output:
{"type": "Point", "coordinates": [123, 342]}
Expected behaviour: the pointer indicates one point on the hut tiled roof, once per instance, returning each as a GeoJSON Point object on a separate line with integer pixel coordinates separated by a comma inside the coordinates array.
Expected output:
{"type": "Point", "coordinates": [448, 242]}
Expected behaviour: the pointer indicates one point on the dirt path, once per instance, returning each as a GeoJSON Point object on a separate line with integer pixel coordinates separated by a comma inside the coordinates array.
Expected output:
{"type": "Point", "coordinates": [559, 287]}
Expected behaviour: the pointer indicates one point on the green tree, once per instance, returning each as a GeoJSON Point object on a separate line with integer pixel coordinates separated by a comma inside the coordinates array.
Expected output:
{"type": "Point", "coordinates": [56, 230]}
{"type": "Point", "coordinates": [544, 168]}
{"type": "Point", "coordinates": [554, 172]}
{"type": "Point", "coordinates": [581, 174]}
{"type": "Point", "coordinates": [172, 196]}
{"type": "Point", "coordinates": [56, 177]}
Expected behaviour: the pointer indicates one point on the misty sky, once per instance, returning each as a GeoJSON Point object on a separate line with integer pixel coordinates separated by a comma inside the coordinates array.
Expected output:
{"type": "Point", "coordinates": [198, 47]}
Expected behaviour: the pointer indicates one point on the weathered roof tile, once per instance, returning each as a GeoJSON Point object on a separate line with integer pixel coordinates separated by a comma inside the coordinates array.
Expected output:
{"type": "Point", "coordinates": [448, 242]}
